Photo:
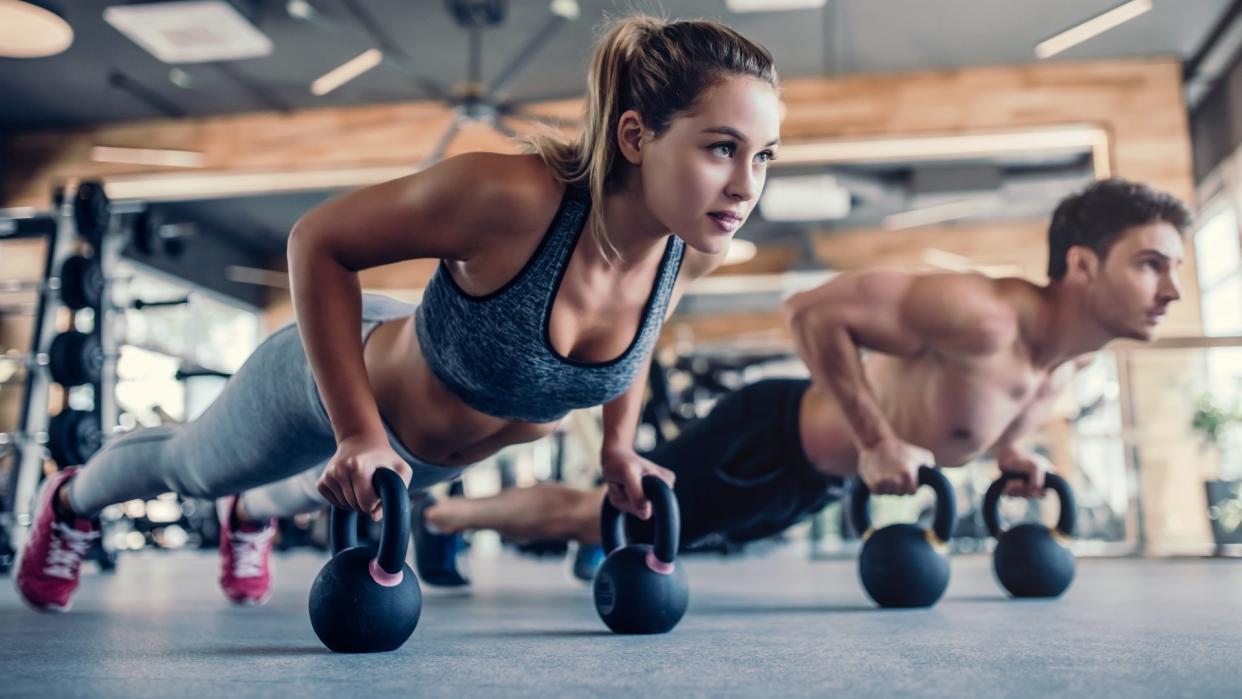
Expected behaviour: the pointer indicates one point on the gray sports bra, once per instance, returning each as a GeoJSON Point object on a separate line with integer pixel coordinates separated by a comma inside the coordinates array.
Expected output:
{"type": "Point", "coordinates": [494, 351]}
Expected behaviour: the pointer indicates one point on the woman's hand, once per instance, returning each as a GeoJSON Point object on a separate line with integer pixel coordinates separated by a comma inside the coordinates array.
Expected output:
{"type": "Point", "coordinates": [623, 473]}
{"type": "Point", "coordinates": [346, 482]}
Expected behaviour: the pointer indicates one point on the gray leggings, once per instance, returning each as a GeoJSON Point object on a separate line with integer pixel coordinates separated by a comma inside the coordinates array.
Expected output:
{"type": "Point", "coordinates": [266, 436]}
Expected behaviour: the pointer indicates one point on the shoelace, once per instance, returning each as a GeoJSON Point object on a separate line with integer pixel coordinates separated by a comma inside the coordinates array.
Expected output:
{"type": "Point", "coordinates": [67, 549]}
{"type": "Point", "coordinates": [249, 549]}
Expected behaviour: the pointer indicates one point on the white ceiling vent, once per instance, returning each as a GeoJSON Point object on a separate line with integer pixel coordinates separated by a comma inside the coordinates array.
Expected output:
{"type": "Point", "coordinates": [190, 32]}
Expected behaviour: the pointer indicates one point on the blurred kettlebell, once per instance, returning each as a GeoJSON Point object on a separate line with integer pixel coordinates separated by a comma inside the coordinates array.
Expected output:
{"type": "Point", "coordinates": [904, 565]}
{"type": "Point", "coordinates": [639, 588]}
{"type": "Point", "coordinates": [1032, 560]}
{"type": "Point", "coordinates": [364, 601]}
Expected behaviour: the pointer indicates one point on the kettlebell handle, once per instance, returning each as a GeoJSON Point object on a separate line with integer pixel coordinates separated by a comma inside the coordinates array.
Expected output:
{"type": "Point", "coordinates": [395, 535]}
{"type": "Point", "coordinates": [1058, 485]}
{"type": "Point", "coordinates": [946, 504]}
{"type": "Point", "coordinates": [664, 511]}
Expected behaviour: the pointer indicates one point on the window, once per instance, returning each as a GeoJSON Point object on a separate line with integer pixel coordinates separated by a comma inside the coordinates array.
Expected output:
{"type": "Point", "coordinates": [1219, 258]}
{"type": "Point", "coordinates": [1218, 254]}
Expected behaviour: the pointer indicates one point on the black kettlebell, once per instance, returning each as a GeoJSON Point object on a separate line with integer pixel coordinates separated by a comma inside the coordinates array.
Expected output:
{"type": "Point", "coordinates": [1032, 560]}
{"type": "Point", "coordinates": [904, 565]}
{"type": "Point", "coordinates": [365, 601]}
{"type": "Point", "coordinates": [639, 588]}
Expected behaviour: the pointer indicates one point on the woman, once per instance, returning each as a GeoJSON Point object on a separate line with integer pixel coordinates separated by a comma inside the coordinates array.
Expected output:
{"type": "Point", "coordinates": [520, 324]}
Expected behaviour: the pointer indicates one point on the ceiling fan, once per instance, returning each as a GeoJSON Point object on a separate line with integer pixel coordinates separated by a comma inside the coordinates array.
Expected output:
{"type": "Point", "coordinates": [471, 100]}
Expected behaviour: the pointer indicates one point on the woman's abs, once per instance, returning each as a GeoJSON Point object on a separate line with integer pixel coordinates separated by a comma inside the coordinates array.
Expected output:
{"type": "Point", "coordinates": [432, 422]}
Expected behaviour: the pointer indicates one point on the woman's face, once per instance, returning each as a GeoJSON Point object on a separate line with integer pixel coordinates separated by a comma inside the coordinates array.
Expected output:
{"type": "Point", "coordinates": [702, 177]}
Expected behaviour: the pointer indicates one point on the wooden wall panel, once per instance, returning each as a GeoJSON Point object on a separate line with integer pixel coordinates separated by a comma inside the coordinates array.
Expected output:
{"type": "Point", "coordinates": [1139, 102]}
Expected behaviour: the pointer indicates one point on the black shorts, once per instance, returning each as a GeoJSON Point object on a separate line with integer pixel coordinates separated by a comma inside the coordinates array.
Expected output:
{"type": "Point", "coordinates": [741, 471]}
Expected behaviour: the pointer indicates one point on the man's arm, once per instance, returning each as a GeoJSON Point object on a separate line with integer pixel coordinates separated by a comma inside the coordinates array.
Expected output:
{"type": "Point", "coordinates": [897, 313]}
{"type": "Point", "coordinates": [1010, 456]}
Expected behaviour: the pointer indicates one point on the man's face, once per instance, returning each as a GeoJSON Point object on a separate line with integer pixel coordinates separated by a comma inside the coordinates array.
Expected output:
{"type": "Point", "coordinates": [1137, 280]}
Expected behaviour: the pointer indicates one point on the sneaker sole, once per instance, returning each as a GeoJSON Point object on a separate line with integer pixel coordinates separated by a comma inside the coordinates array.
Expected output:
{"type": "Point", "coordinates": [250, 602]}
{"type": "Point", "coordinates": [50, 609]}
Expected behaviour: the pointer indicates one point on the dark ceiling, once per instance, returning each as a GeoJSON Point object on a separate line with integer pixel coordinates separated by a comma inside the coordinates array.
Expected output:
{"type": "Point", "coordinates": [105, 77]}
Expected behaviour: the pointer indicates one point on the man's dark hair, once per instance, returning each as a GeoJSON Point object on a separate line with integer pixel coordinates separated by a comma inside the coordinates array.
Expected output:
{"type": "Point", "coordinates": [1098, 215]}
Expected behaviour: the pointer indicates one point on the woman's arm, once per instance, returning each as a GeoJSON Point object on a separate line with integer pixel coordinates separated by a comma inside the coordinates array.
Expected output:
{"type": "Point", "coordinates": [453, 210]}
{"type": "Point", "coordinates": [622, 467]}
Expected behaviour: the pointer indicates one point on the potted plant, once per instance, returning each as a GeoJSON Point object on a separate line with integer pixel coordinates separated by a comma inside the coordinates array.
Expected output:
{"type": "Point", "coordinates": [1216, 423]}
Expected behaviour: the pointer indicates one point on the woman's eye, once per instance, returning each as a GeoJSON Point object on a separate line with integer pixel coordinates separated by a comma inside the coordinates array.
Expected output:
{"type": "Point", "coordinates": [723, 149]}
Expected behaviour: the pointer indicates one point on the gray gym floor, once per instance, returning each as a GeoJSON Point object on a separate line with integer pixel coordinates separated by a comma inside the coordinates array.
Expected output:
{"type": "Point", "coordinates": [777, 625]}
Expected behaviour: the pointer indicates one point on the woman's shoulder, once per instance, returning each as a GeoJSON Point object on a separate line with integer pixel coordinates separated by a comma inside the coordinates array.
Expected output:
{"type": "Point", "coordinates": [517, 191]}
{"type": "Point", "coordinates": [493, 201]}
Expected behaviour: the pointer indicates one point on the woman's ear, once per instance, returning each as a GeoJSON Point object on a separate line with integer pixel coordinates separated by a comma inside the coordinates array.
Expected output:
{"type": "Point", "coordinates": [630, 136]}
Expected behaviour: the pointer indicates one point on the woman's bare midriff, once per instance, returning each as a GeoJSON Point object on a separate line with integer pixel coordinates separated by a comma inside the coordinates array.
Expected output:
{"type": "Point", "coordinates": [432, 422]}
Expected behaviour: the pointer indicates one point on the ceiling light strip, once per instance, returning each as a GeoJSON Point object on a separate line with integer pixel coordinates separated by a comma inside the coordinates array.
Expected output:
{"type": "Point", "coordinates": [159, 157]}
{"type": "Point", "coordinates": [347, 71]}
{"type": "Point", "coordinates": [947, 147]}
{"type": "Point", "coordinates": [1093, 27]}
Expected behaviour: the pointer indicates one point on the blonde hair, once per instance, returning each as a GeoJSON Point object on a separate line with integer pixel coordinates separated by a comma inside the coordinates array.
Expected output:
{"type": "Point", "coordinates": [656, 68]}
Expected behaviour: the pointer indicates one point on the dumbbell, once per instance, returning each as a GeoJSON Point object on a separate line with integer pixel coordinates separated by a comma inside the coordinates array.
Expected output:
{"type": "Point", "coordinates": [92, 212]}
{"type": "Point", "coordinates": [27, 227]}
{"type": "Point", "coordinates": [153, 235]}
{"type": "Point", "coordinates": [10, 440]}
{"type": "Point", "coordinates": [904, 565]}
{"type": "Point", "coordinates": [75, 358]}
{"type": "Point", "coordinates": [11, 363]}
{"type": "Point", "coordinates": [73, 437]}
{"type": "Point", "coordinates": [1032, 560]}
{"type": "Point", "coordinates": [80, 283]}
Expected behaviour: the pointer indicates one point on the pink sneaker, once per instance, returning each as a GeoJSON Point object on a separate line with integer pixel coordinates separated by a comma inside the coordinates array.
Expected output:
{"type": "Point", "coordinates": [47, 572]}
{"type": "Point", "coordinates": [245, 557]}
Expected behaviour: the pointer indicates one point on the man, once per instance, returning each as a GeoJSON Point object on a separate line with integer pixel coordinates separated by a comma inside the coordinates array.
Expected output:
{"type": "Point", "coordinates": [958, 365]}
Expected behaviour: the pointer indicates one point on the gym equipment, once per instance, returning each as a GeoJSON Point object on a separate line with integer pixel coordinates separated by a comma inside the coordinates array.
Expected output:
{"type": "Point", "coordinates": [639, 588]}
{"type": "Point", "coordinates": [11, 363]}
{"type": "Point", "coordinates": [1032, 560]}
{"type": "Point", "coordinates": [91, 212]}
{"type": "Point", "coordinates": [8, 555]}
{"type": "Point", "coordinates": [75, 358]}
{"type": "Point", "coordinates": [73, 436]}
{"type": "Point", "coordinates": [152, 235]}
{"type": "Point", "coordinates": [364, 601]}
{"type": "Point", "coordinates": [27, 227]}
{"type": "Point", "coordinates": [82, 213]}
{"type": "Point", "coordinates": [905, 565]}
{"type": "Point", "coordinates": [81, 282]}
{"type": "Point", "coordinates": [143, 304]}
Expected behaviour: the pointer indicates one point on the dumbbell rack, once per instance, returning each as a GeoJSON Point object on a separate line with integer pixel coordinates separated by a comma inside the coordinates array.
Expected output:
{"type": "Point", "coordinates": [86, 215]}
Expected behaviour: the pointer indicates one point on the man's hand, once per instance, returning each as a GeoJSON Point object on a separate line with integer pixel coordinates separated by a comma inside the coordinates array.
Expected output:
{"type": "Point", "coordinates": [1028, 464]}
{"type": "Point", "coordinates": [891, 467]}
